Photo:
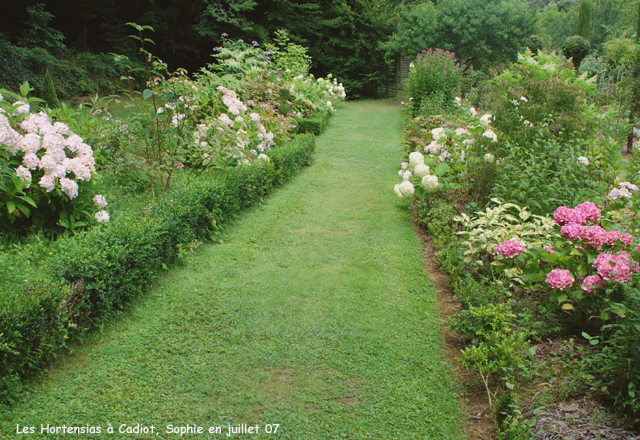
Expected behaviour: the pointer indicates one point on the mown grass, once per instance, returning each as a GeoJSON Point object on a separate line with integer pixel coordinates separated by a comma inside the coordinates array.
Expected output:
{"type": "Point", "coordinates": [314, 313]}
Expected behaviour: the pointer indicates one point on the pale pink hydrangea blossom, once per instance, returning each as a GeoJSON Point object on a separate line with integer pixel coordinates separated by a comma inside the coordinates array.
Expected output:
{"type": "Point", "coordinates": [100, 201]}
{"type": "Point", "coordinates": [102, 216]}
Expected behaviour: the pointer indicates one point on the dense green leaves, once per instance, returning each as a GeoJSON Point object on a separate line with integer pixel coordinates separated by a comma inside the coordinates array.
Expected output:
{"type": "Point", "coordinates": [479, 32]}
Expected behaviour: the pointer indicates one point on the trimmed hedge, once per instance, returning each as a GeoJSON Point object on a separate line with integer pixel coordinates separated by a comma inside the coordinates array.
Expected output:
{"type": "Point", "coordinates": [315, 124]}
{"type": "Point", "coordinates": [99, 272]}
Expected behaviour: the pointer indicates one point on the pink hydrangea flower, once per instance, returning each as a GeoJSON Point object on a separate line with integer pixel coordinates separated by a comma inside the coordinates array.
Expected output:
{"type": "Point", "coordinates": [549, 249]}
{"type": "Point", "coordinates": [594, 236]}
{"type": "Point", "coordinates": [617, 268]}
{"type": "Point", "coordinates": [559, 279]}
{"type": "Point", "coordinates": [564, 215]}
{"type": "Point", "coordinates": [510, 248]}
{"type": "Point", "coordinates": [590, 211]}
{"type": "Point", "coordinates": [571, 231]}
{"type": "Point", "coordinates": [626, 239]}
{"type": "Point", "coordinates": [590, 281]}
{"type": "Point", "coordinates": [611, 237]}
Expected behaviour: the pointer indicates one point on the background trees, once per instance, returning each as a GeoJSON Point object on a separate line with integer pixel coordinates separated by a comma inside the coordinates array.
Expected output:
{"type": "Point", "coordinates": [480, 32]}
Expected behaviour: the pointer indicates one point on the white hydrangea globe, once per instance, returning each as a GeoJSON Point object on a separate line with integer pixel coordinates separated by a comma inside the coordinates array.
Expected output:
{"type": "Point", "coordinates": [430, 182]}
{"type": "Point", "coordinates": [407, 189]}
{"type": "Point", "coordinates": [421, 170]}
{"type": "Point", "coordinates": [416, 158]}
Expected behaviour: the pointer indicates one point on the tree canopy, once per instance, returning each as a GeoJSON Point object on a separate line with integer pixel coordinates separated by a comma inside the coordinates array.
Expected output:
{"type": "Point", "coordinates": [480, 32]}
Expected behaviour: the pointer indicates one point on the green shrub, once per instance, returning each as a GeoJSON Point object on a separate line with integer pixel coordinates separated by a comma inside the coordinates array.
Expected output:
{"type": "Point", "coordinates": [433, 71]}
{"type": "Point", "coordinates": [78, 75]}
{"type": "Point", "coordinates": [316, 124]}
{"type": "Point", "coordinates": [535, 43]}
{"type": "Point", "coordinates": [576, 48]}
{"type": "Point", "coordinates": [541, 96]}
{"type": "Point", "coordinates": [616, 360]}
{"type": "Point", "coordinates": [48, 92]}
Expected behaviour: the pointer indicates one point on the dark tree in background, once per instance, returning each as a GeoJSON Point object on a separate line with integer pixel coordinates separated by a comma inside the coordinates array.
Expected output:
{"type": "Point", "coordinates": [342, 35]}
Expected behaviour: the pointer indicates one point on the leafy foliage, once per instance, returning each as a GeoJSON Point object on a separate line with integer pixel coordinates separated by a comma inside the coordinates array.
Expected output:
{"type": "Point", "coordinates": [481, 33]}
{"type": "Point", "coordinates": [576, 48]}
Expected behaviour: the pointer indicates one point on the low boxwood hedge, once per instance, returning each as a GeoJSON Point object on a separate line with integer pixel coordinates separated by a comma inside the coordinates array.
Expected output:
{"type": "Point", "coordinates": [315, 124]}
{"type": "Point", "coordinates": [97, 273]}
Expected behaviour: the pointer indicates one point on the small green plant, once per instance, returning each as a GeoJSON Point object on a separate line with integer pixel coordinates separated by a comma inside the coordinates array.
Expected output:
{"type": "Point", "coordinates": [48, 93]}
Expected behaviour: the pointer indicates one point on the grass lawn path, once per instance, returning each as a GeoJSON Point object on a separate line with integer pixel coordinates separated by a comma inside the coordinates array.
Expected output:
{"type": "Point", "coordinates": [315, 313]}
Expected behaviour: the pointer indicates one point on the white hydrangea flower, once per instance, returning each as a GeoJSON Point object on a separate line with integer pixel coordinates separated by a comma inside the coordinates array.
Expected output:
{"type": "Point", "coordinates": [628, 185]}
{"type": "Point", "coordinates": [416, 158]}
{"type": "Point", "coordinates": [486, 119]}
{"type": "Point", "coordinates": [432, 148]}
{"type": "Point", "coordinates": [407, 189]}
{"type": "Point", "coordinates": [23, 174]}
{"type": "Point", "coordinates": [421, 170]}
{"type": "Point", "coordinates": [396, 189]}
{"type": "Point", "coordinates": [488, 158]}
{"type": "Point", "coordinates": [491, 135]}
{"type": "Point", "coordinates": [583, 160]}
{"type": "Point", "coordinates": [263, 156]}
{"type": "Point", "coordinates": [473, 112]}
{"type": "Point", "coordinates": [617, 193]}
{"type": "Point", "coordinates": [437, 133]}
{"type": "Point", "coordinates": [407, 175]}
{"type": "Point", "coordinates": [430, 182]}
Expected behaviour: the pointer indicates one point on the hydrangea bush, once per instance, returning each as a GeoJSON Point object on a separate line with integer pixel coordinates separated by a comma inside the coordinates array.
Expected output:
{"type": "Point", "coordinates": [47, 170]}
{"type": "Point", "coordinates": [587, 266]}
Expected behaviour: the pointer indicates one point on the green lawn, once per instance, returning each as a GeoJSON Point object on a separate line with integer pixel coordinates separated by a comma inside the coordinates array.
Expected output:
{"type": "Point", "coordinates": [314, 313]}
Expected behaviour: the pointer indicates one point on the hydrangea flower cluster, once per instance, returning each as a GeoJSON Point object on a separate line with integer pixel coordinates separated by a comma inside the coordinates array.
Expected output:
{"type": "Point", "coordinates": [624, 190]}
{"type": "Point", "coordinates": [617, 268]}
{"type": "Point", "coordinates": [49, 160]}
{"type": "Point", "coordinates": [510, 248]}
{"type": "Point", "coordinates": [414, 169]}
{"type": "Point", "coordinates": [591, 281]}
{"type": "Point", "coordinates": [594, 236]}
{"type": "Point", "coordinates": [610, 265]}
{"type": "Point", "coordinates": [51, 151]}
{"type": "Point", "coordinates": [559, 279]}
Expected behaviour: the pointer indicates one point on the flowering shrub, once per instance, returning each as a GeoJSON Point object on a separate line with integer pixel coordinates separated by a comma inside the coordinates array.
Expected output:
{"type": "Point", "coordinates": [434, 72]}
{"type": "Point", "coordinates": [590, 267]}
{"type": "Point", "coordinates": [238, 108]}
{"type": "Point", "coordinates": [45, 170]}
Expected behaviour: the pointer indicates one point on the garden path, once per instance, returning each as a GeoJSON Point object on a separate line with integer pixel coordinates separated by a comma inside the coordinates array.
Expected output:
{"type": "Point", "coordinates": [314, 313]}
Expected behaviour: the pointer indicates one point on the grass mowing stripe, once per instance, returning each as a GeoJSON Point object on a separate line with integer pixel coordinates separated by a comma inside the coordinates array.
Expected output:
{"type": "Point", "coordinates": [314, 313]}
